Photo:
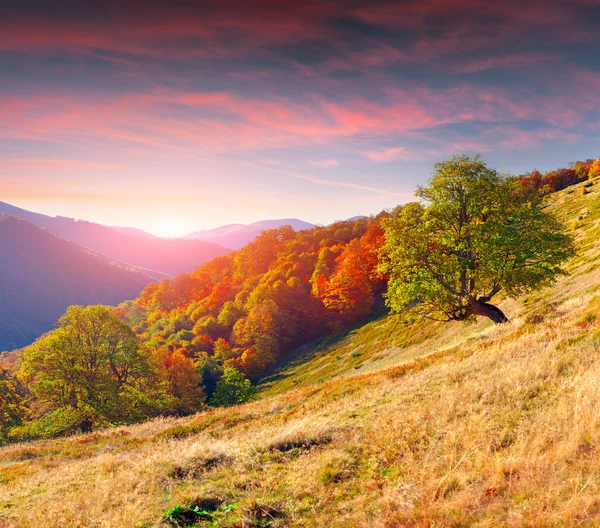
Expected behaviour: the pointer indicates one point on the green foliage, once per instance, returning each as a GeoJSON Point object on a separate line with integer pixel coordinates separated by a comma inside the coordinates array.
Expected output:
{"type": "Point", "coordinates": [185, 335]}
{"type": "Point", "coordinates": [229, 314]}
{"type": "Point", "coordinates": [232, 389]}
{"type": "Point", "coordinates": [91, 369]}
{"type": "Point", "coordinates": [59, 422]}
{"type": "Point", "coordinates": [131, 312]}
{"type": "Point", "coordinates": [478, 234]}
{"type": "Point", "coordinates": [208, 326]}
{"type": "Point", "coordinates": [12, 410]}
{"type": "Point", "coordinates": [185, 516]}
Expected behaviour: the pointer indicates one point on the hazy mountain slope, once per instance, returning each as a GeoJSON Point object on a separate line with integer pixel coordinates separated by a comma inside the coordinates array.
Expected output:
{"type": "Point", "coordinates": [476, 425]}
{"type": "Point", "coordinates": [171, 256]}
{"type": "Point", "coordinates": [133, 231]}
{"type": "Point", "coordinates": [42, 274]}
{"type": "Point", "coordinates": [235, 236]}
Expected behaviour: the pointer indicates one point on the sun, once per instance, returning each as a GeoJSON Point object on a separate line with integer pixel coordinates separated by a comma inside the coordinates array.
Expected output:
{"type": "Point", "coordinates": [170, 229]}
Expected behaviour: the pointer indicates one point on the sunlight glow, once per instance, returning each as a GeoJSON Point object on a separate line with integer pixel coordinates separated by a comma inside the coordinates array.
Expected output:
{"type": "Point", "coordinates": [170, 229]}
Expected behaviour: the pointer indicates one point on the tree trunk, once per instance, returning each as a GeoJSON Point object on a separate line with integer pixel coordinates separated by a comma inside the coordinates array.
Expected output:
{"type": "Point", "coordinates": [86, 426]}
{"type": "Point", "coordinates": [487, 310]}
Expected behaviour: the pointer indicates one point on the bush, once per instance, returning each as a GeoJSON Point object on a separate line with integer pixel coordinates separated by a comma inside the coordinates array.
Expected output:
{"type": "Point", "coordinates": [232, 389]}
{"type": "Point", "coordinates": [56, 423]}
{"type": "Point", "coordinates": [185, 516]}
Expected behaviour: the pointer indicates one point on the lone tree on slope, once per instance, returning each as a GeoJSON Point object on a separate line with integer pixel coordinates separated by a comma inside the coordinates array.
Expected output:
{"type": "Point", "coordinates": [478, 233]}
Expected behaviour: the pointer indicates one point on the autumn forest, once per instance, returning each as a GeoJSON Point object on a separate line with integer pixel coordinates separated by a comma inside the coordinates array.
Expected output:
{"type": "Point", "coordinates": [207, 338]}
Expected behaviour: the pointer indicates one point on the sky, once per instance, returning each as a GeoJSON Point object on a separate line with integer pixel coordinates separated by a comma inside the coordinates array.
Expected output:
{"type": "Point", "coordinates": [175, 119]}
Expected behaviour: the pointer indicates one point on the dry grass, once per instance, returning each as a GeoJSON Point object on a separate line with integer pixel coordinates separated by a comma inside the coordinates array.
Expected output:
{"type": "Point", "coordinates": [497, 426]}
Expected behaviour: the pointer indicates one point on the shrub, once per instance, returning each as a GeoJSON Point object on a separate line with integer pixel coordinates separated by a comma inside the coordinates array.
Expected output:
{"type": "Point", "coordinates": [185, 516]}
{"type": "Point", "coordinates": [232, 389]}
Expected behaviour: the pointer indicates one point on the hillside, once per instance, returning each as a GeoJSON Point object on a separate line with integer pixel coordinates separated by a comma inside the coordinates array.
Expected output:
{"type": "Point", "coordinates": [42, 274]}
{"type": "Point", "coordinates": [151, 254]}
{"type": "Point", "coordinates": [387, 425]}
{"type": "Point", "coordinates": [235, 236]}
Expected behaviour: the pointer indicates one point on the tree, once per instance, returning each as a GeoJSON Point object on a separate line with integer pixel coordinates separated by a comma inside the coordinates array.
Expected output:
{"type": "Point", "coordinates": [259, 334]}
{"type": "Point", "coordinates": [232, 389]}
{"type": "Point", "coordinates": [478, 234]}
{"type": "Point", "coordinates": [594, 171]}
{"type": "Point", "coordinates": [91, 367]}
{"type": "Point", "coordinates": [184, 382]}
{"type": "Point", "coordinates": [349, 291]}
{"type": "Point", "coordinates": [229, 315]}
{"type": "Point", "coordinates": [12, 410]}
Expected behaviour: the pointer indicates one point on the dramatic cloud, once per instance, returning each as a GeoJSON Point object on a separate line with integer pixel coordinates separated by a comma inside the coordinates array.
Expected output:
{"type": "Point", "coordinates": [270, 97]}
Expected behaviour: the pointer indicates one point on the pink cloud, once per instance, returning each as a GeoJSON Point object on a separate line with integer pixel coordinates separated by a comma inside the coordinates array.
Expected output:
{"type": "Point", "coordinates": [327, 163]}
{"type": "Point", "coordinates": [163, 33]}
{"type": "Point", "coordinates": [389, 154]}
{"type": "Point", "coordinates": [462, 32]}
{"type": "Point", "coordinates": [523, 139]}
{"type": "Point", "coordinates": [518, 60]}
{"type": "Point", "coordinates": [223, 122]}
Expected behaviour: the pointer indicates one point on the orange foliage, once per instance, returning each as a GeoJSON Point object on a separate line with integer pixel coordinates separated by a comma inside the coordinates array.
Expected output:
{"type": "Point", "coordinates": [351, 288]}
{"type": "Point", "coordinates": [274, 294]}
{"type": "Point", "coordinates": [184, 382]}
{"type": "Point", "coordinates": [250, 363]}
{"type": "Point", "coordinates": [558, 179]}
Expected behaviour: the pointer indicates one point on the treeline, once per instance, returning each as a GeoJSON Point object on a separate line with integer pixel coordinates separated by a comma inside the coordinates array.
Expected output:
{"type": "Point", "coordinates": [206, 337]}
{"type": "Point", "coordinates": [558, 179]}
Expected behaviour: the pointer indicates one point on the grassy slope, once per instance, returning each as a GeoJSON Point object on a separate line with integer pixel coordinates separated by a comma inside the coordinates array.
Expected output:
{"type": "Point", "coordinates": [474, 426]}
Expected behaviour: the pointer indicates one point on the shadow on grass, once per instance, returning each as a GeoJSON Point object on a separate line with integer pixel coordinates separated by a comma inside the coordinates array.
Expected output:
{"type": "Point", "coordinates": [306, 353]}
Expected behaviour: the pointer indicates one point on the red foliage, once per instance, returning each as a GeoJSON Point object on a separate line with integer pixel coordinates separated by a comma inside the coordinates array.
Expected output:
{"type": "Point", "coordinates": [556, 180]}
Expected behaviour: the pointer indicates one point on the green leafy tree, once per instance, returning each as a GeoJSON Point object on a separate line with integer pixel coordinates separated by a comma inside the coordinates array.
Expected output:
{"type": "Point", "coordinates": [91, 368]}
{"type": "Point", "coordinates": [478, 233]}
{"type": "Point", "coordinates": [232, 389]}
{"type": "Point", "coordinates": [12, 409]}
{"type": "Point", "coordinates": [229, 315]}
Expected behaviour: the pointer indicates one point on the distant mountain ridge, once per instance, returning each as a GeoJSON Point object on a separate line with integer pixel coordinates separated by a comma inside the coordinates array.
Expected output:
{"type": "Point", "coordinates": [156, 256]}
{"type": "Point", "coordinates": [42, 274]}
{"type": "Point", "coordinates": [235, 236]}
{"type": "Point", "coordinates": [133, 231]}
{"type": "Point", "coordinates": [151, 254]}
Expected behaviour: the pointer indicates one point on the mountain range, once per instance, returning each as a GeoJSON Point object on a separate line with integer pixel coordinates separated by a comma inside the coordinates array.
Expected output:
{"type": "Point", "coordinates": [235, 236]}
{"type": "Point", "coordinates": [41, 274]}
{"type": "Point", "coordinates": [153, 255]}
{"type": "Point", "coordinates": [48, 263]}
